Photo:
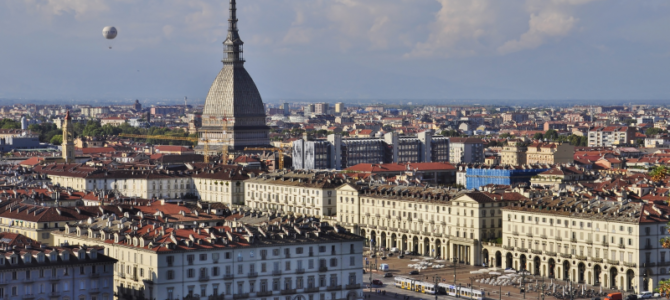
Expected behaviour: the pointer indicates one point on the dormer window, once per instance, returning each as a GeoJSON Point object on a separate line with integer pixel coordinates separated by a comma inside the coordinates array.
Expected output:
{"type": "Point", "coordinates": [14, 260]}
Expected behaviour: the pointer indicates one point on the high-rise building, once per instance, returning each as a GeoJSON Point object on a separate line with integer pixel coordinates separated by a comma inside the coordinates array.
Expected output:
{"type": "Point", "coordinates": [339, 107]}
{"type": "Point", "coordinates": [287, 108]}
{"type": "Point", "coordinates": [308, 109]}
{"type": "Point", "coordinates": [234, 114]}
{"type": "Point", "coordinates": [321, 108]}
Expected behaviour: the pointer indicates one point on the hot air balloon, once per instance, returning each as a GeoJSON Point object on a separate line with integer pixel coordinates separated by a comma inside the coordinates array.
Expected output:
{"type": "Point", "coordinates": [109, 33]}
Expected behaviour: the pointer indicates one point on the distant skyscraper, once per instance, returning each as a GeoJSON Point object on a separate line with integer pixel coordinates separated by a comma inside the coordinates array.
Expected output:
{"type": "Point", "coordinates": [321, 108]}
{"type": "Point", "coordinates": [234, 114]}
{"type": "Point", "coordinates": [287, 108]}
{"type": "Point", "coordinates": [339, 107]}
{"type": "Point", "coordinates": [308, 109]}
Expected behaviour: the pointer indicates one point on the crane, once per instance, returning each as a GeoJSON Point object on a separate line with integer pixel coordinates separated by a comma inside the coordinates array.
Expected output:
{"type": "Point", "coordinates": [171, 138]}
{"type": "Point", "coordinates": [280, 153]}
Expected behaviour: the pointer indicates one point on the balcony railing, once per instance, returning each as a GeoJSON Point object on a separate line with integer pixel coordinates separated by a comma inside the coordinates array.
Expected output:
{"type": "Point", "coordinates": [580, 257]}
{"type": "Point", "coordinates": [558, 238]}
{"type": "Point", "coordinates": [544, 236]}
{"type": "Point", "coordinates": [524, 250]}
{"type": "Point", "coordinates": [265, 293]}
{"type": "Point", "coordinates": [276, 273]}
{"type": "Point", "coordinates": [536, 251]}
{"type": "Point", "coordinates": [573, 240]}
{"type": "Point", "coordinates": [590, 242]}
{"type": "Point", "coordinates": [228, 276]}
{"type": "Point", "coordinates": [299, 271]}
{"type": "Point", "coordinates": [313, 289]}
{"type": "Point", "coordinates": [648, 247]}
{"type": "Point", "coordinates": [613, 262]}
{"type": "Point", "coordinates": [549, 253]}
{"type": "Point", "coordinates": [566, 255]}
{"type": "Point", "coordinates": [606, 244]}
{"type": "Point", "coordinates": [597, 259]}
{"type": "Point", "coordinates": [288, 292]}
{"type": "Point", "coordinates": [252, 274]}
{"type": "Point", "coordinates": [353, 286]}
{"type": "Point", "coordinates": [515, 232]}
{"type": "Point", "coordinates": [509, 248]}
{"type": "Point", "coordinates": [323, 269]}
{"type": "Point", "coordinates": [530, 234]}
{"type": "Point", "coordinates": [203, 278]}
{"type": "Point", "coordinates": [334, 288]}
{"type": "Point", "coordinates": [241, 296]}
{"type": "Point", "coordinates": [628, 264]}
{"type": "Point", "coordinates": [622, 246]}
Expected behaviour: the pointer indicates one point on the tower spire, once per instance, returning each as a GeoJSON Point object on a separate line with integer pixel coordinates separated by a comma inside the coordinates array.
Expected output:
{"type": "Point", "coordinates": [233, 45]}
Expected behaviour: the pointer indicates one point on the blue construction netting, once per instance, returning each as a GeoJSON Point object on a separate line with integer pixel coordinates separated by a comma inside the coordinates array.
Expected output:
{"type": "Point", "coordinates": [476, 178]}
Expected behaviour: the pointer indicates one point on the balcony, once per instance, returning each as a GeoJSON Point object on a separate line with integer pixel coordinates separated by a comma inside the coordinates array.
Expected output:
{"type": "Point", "coordinates": [414, 231]}
{"type": "Point", "coordinates": [580, 257]}
{"type": "Point", "coordinates": [630, 265]}
{"type": "Point", "coordinates": [524, 250]}
{"type": "Point", "coordinates": [382, 228]}
{"type": "Point", "coordinates": [334, 288]}
{"type": "Point", "coordinates": [573, 240]}
{"type": "Point", "coordinates": [543, 236]}
{"type": "Point", "coordinates": [622, 246]}
{"type": "Point", "coordinates": [323, 269]}
{"type": "Point", "coordinates": [536, 251]}
{"type": "Point", "coordinates": [28, 297]}
{"type": "Point", "coordinates": [565, 255]}
{"type": "Point", "coordinates": [404, 230]}
{"type": "Point", "coordinates": [276, 273]}
{"type": "Point", "coordinates": [252, 275]}
{"type": "Point", "coordinates": [590, 242]}
{"type": "Point", "coordinates": [288, 292]}
{"type": "Point", "coordinates": [228, 276]}
{"type": "Point", "coordinates": [299, 271]}
{"type": "Point", "coordinates": [648, 247]}
{"type": "Point", "coordinates": [515, 232]}
{"type": "Point", "coordinates": [558, 238]}
{"type": "Point", "coordinates": [425, 233]}
{"type": "Point", "coordinates": [203, 278]}
{"type": "Point", "coordinates": [549, 253]}
{"type": "Point", "coordinates": [509, 248]}
{"type": "Point", "coordinates": [435, 234]}
{"type": "Point", "coordinates": [606, 244]}
{"type": "Point", "coordinates": [529, 234]}
{"type": "Point", "coordinates": [420, 220]}
{"type": "Point", "coordinates": [311, 289]}
{"type": "Point", "coordinates": [613, 262]}
{"type": "Point", "coordinates": [353, 286]}
{"type": "Point", "coordinates": [597, 260]}
{"type": "Point", "coordinates": [241, 296]}
{"type": "Point", "coordinates": [263, 294]}
{"type": "Point", "coordinates": [94, 275]}
{"type": "Point", "coordinates": [54, 294]}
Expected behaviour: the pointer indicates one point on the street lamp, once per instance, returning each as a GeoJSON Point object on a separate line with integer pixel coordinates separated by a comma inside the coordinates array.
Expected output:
{"type": "Point", "coordinates": [455, 261]}
{"type": "Point", "coordinates": [436, 279]}
{"type": "Point", "coordinates": [523, 282]}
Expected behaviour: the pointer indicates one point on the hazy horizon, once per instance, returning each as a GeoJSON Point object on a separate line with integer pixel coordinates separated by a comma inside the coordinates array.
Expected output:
{"type": "Point", "coordinates": [340, 50]}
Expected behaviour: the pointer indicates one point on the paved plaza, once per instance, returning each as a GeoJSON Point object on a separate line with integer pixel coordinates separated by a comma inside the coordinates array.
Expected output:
{"type": "Point", "coordinates": [463, 277]}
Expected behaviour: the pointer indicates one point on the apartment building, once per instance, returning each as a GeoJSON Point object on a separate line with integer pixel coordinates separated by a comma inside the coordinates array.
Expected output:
{"type": "Point", "coordinates": [466, 150]}
{"type": "Point", "coordinates": [594, 242]}
{"type": "Point", "coordinates": [276, 258]}
{"type": "Point", "coordinates": [445, 223]}
{"type": "Point", "coordinates": [607, 136]}
{"type": "Point", "coordinates": [550, 153]}
{"type": "Point", "coordinates": [514, 153]}
{"type": "Point", "coordinates": [29, 271]}
{"type": "Point", "coordinates": [215, 184]}
{"type": "Point", "coordinates": [304, 193]}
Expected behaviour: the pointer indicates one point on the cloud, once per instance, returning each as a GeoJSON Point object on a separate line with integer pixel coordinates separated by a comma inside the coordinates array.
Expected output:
{"type": "Point", "coordinates": [542, 26]}
{"type": "Point", "coordinates": [460, 28]}
{"type": "Point", "coordinates": [548, 20]}
{"type": "Point", "coordinates": [81, 8]}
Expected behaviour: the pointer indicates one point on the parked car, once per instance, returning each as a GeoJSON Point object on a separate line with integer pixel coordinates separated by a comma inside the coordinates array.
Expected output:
{"type": "Point", "coordinates": [395, 250]}
{"type": "Point", "coordinates": [383, 257]}
{"type": "Point", "coordinates": [414, 272]}
{"type": "Point", "coordinates": [407, 252]}
{"type": "Point", "coordinates": [645, 295]}
{"type": "Point", "coordinates": [388, 275]}
{"type": "Point", "coordinates": [631, 297]}
{"type": "Point", "coordinates": [377, 282]}
{"type": "Point", "coordinates": [657, 295]}
{"type": "Point", "coordinates": [401, 255]}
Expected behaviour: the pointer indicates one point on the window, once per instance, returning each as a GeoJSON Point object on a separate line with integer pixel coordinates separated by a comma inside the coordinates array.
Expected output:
{"type": "Point", "coordinates": [190, 273]}
{"type": "Point", "coordinates": [170, 274]}
{"type": "Point", "coordinates": [203, 256]}
{"type": "Point", "coordinates": [322, 249]}
{"type": "Point", "coordinates": [215, 271]}
{"type": "Point", "coordinates": [333, 262]}
{"type": "Point", "coordinates": [298, 250]}
{"type": "Point", "coordinates": [190, 258]}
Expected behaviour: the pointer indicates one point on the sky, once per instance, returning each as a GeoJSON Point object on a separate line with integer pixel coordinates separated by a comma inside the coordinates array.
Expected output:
{"type": "Point", "coordinates": [323, 50]}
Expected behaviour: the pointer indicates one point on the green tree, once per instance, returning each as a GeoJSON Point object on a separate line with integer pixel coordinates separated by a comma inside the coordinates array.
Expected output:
{"type": "Point", "coordinates": [9, 124]}
{"type": "Point", "coordinates": [653, 131]}
{"type": "Point", "coordinates": [551, 135]}
{"type": "Point", "coordinates": [538, 136]}
{"type": "Point", "coordinates": [57, 139]}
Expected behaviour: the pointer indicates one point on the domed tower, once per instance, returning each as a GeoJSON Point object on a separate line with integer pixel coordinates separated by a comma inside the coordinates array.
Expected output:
{"type": "Point", "coordinates": [234, 115]}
